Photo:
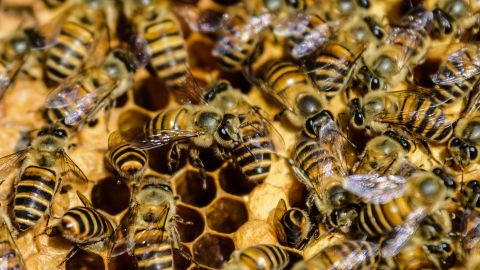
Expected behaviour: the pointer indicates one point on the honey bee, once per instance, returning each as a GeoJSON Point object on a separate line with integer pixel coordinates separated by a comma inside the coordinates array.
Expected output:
{"type": "Point", "coordinates": [158, 38]}
{"type": "Point", "coordinates": [361, 30]}
{"type": "Point", "coordinates": [444, 253]}
{"type": "Point", "coordinates": [414, 257]}
{"type": "Point", "coordinates": [82, 29]}
{"type": "Point", "coordinates": [292, 227]}
{"type": "Point", "coordinates": [396, 205]}
{"type": "Point", "coordinates": [471, 195]}
{"type": "Point", "coordinates": [129, 161]}
{"type": "Point", "coordinates": [10, 256]}
{"type": "Point", "coordinates": [385, 154]}
{"type": "Point", "coordinates": [292, 88]}
{"type": "Point", "coordinates": [348, 254]}
{"type": "Point", "coordinates": [148, 231]}
{"type": "Point", "coordinates": [42, 166]}
{"type": "Point", "coordinates": [253, 151]}
{"type": "Point", "coordinates": [79, 99]}
{"type": "Point", "coordinates": [262, 256]}
{"type": "Point", "coordinates": [84, 227]}
{"type": "Point", "coordinates": [453, 17]}
{"type": "Point", "coordinates": [407, 112]}
{"type": "Point", "coordinates": [406, 44]}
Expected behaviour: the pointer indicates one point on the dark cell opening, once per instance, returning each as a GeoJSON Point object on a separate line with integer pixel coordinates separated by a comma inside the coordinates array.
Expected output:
{"type": "Point", "coordinates": [423, 73]}
{"type": "Point", "coordinates": [233, 181]}
{"type": "Point", "coordinates": [190, 189]}
{"type": "Point", "coordinates": [111, 195]}
{"type": "Point", "coordinates": [189, 232]}
{"type": "Point", "coordinates": [181, 261]}
{"type": "Point", "coordinates": [85, 260]}
{"type": "Point", "coordinates": [211, 161]}
{"type": "Point", "coordinates": [158, 160]}
{"type": "Point", "coordinates": [226, 215]}
{"type": "Point", "coordinates": [297, 195]}
{"type": "Point", "coordinates": [132, 119]}
{"type": "Point", "coordinates": [151, 94]}
{"type": "Point", "coordinates": [213, 250]}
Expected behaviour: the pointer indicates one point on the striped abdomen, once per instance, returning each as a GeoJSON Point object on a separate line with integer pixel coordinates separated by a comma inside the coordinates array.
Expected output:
{"type": "Point", "coordinates": [332, 67]}
{"type": "Point", "coordinates": [129, 161]}
{"type": "Point", "coordinates": [284, 80]}
{"type": "Point", "coordinates": [410, 40]}
{"type": "Point", "coordinates": [424, 119]}
{"type": "Point", "coordinates": [33, 196]}
{"type": "Point", "coordinates": [85, 225]}
{"type": "Point", "coordinates": [253, 154]}
{"type": "Point", "coordinates": [315, 160]}
{"type": "Point", "coordinates": [9, 256]}
{"type": "Point", "coordinates": [70, 52]}
{"type": "Point", "coordinates": [414, 257]}
{"type": "Point", "coordinates": [381, 219]}
{"type": "Point", "coordinates": [232, 52]}
{"type": "Point", "coordinates": [316, 31]}
{"type": "Point", "coordinates": [170, 119]}
{"type": "Point", "coordinates": [263, 256]}
{"type": "Point", "coordinates": [353, 255]}
{"type": "Point", "coordinates": [153, 249]}
{"type": "Point", "coordinates": [296, 226]}
{"type": "Point", "coordinates": [169, 55]}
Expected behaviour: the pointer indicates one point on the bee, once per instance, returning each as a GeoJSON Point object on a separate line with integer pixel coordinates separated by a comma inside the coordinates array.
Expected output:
{"type": "Point", "coordinates": [443, 252]}
{"type": "Point", "coordinates": [262, 256]}
{"type": "Point", "coordinates": [81, 30]}
{"type": "Point", "coordinates": [292, 227]}
{"type": "Point", "coordinates": [471, 195]}
{"type": "Point", "coordinates": [453, 17]}
{"type": "Point", "coordinates": [361, 30]}
{"type": "Point", "coordinates": [333, 67]}
{"type": "Point", "coordinates": [253, 151]}
{"type": "Point", "coordinates": [292, 88]}
{"type": "Point", "coordinates": [148, 231]}
{"type": "Point", "coordinates": [348, 254]}
{"type": "Point", "coordinates": [129, 161]}
{"type": "Point", "coordinates": [414, 257]}
{"type": "Point", "coordinates": [407, 112]}
{"type": "Point", "coordinates": [406, 45]}
{"type": "Point", "coordinates": [78, 100]}
{"type": "Point", "coordinates": [83, 226]}
{"type": "Point", "coordinates": [385, 154]}
{"type": "Point", "coordinates": [10, 256]}
{"type": "Point", "coordinates": [42, 166]}
{"type": "Point", "coordinates": [158, 37]}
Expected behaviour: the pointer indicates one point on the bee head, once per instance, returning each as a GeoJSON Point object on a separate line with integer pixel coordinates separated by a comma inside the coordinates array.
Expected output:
{"type": "Point", "coordinates": [228, 132]}
{"type": "Point", "coordinates": [356, 113]}
{"type": "Point", "coordinates": [471, 193]}
{"type": "Point", "coordinates": [216, 89]}
{"type": "Point", "coordinates": [314, 124]}
{"type": "Point", "coordinates": [463, 153]}
{"type": "Point", "coordinates": [447, 178]}
{"type": "Point", "coordinates": [53, 131]}
{"type": "Point", "coordinates": [404, 142]}
{"type": "Point", "coordinates": [442, 21]}
{"type": "Point", "coordinates": [374, 27]}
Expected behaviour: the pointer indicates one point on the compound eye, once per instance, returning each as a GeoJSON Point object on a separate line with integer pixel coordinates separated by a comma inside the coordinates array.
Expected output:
{"type": "Point", "coordinates": [60, 133]}
{"type": "Point", "coordinates": [358, 118]}
{"type": "Point", "coordinates": [472, 151]}
{"type": "Point", "coordinates": [455, 142]}
{"type": "Point", "coordinates": [364, 3]}
{"type": "Point", "coordinates": [375, 83]}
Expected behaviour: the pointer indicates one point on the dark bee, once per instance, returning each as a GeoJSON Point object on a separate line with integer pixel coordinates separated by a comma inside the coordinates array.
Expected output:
{"type": "Point", "coordinates": [262, 256]}
{"type": "Point", "coordinates": [292, 226]}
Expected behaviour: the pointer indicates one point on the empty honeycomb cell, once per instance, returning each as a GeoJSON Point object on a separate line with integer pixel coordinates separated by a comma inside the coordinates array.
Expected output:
{"type": "Point", "coordinates": [158, 158]}
{"type": "Point", "coordinates": [121, 101]}
{"type": "Point", "coordinates": [212, 250]}
{"type": "Point", "coordinates": [226, 215]}
{"type": "Point", "coordinates": [181, 261]}
{"type": "Point", "coordinates": [132, 119]}
{"type": "Point", "coordinates": [151, 94]}
{"type": "Point", "coordinates": [199, 45]}
{"type": "Point", "coordinates": [233, 181]}
{"type": "Point", "coordinates": [297, 195]}
{"type": "Point", "coordinates": [423, 73]}
{"type": "Point", "coordinates": [210, 160]}
{"type": "Point", "coordinates": [122, 262]}
{"type": "Point", "coordinates": [294, 257]}
{"type": "Point", "coordinates": [226, 2]}
{"type": "Point", "coordinates": [85, 260]}
{"type": "Point", "coordinates": [192, 225]}
{"type": "Point", "coordinates": [111, 196]}
{"type": "Point", "coordinates": [191, 191]}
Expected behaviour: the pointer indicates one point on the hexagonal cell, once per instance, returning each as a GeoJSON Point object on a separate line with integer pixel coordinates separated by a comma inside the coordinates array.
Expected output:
{"type": "Point", "coordinates": [211, 161]}
{"type": "Point", "coordinates": [189, 232]}
{"type": "Point", "coordinates": [158, 158]}
{"type": "Point", "coordinates": [180, 261]}
{"type": "Point", "coordinates": [226, 215]}
{"type": "Point", "coordinates": [294, 258]}
{"type": "Point", "coordinates": [85, 260]}
{"type": "Point", "coordinates": [212, 250]}
{"type": "Point", "coordinates": [151, 94]}
{"type": "Point", "coordinates": [423, 73]}
{"type": "Point", "coordinates": [111, 196]}
{"type": "Point", "coordinates": [121, 100]}
{"type": "Point", "coordinates": [132, 119]}
{"type": "Point", "coordinates": [190, 189]}
{"type": "Point", "coordinates": [297, 195]}
{"type": "Point", "coordinates": [122, 262]}
{"type": "Point", "coordinates": [233, 181]}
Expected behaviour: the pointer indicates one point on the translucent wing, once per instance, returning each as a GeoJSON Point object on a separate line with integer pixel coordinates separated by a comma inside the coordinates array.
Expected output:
{"type": "Point", "coordinates": [375, 188]}
{"type": "Point", "coordinates": [461, 65]}
{"type": "Point", "coordinates": [14, 256]}
{"type": "Point", "coordinates": [123, 240]}
{"type": "Point", "coordinates": [357, 257]}
{"type": "Point", "coordinates": [402, 234]}
{"type": "Point", "coordinates": [190, 92]}
{"type": "Point", "coordinates": [8, 73]}
{"type": "Point", "coordinates": [472, 237]}
{"type": "Point", "coordinates": [153, 138]}
{"type": "Point", "coordinates": [11, 162]}
{"type": "Point", "coordinates": [277, 224]}
{"type": "Point", "coordinates": [69, 166]}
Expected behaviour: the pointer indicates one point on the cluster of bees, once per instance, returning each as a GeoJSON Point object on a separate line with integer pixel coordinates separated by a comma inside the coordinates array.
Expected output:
{"type": "Point", "coordinates": [387, 175]}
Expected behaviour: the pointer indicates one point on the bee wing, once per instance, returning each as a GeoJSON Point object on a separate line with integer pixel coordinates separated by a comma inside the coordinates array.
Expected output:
{"type": "Point", "coordinates": [69, 166]}
{"type": "Point", "coordinates": [375, 188]}
{"type": "Point", "coordinates": [401, 235]}
{"type": "Point", "coordinates": [191, 92]}
{"type": "Point", "coordinates": [155, 138]}
{"type": "Point", "coordinates": [460, 66]}
{"type": "Point", "coordinates": [66, 93]}
{"type": "Point", "coordinates": [8, 261]}
{"type": "Point", "coordinates": [356, 257]}
{"type": "Point", "coordinates": [8, 72]}
{"type": "Point", "coordinates": [10, 162]}
{"type": "Point", "coordinates": [277, 224]}
{"type": "Point", "coordinates": [123, 237]}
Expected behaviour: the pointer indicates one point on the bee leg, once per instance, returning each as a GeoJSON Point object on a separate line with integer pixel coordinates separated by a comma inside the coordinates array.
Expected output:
{"type": "Point", "coordinates": [278, 116]}
{"type": "Point", "coordinates": [429, 151]}
{"type": "Point", "coordinates": [70, 254]}
{"type": "Point", "coordinates": [174, 157]}
{"type": "Point", "coordinates": [197, 163]}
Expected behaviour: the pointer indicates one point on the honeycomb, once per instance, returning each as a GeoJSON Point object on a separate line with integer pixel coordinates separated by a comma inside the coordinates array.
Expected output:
{"type": "Point", "coordinates": [230, 214]}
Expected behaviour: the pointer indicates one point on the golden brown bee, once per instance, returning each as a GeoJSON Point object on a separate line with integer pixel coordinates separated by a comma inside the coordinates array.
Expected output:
{"type": "Point", "coordinates": [347, 254]}
{"type": "Point", "coordinates": [262, 256]}
{"type": "Point", "coordinates": [405, 46]}
{"type": "Point", "coordinates": [148, 231]}
{"type": "Point", "coordinates": [414, 257]}
{"type": "Point", "coordinates": [361, 30]}
{"type": "Point", "coordinates": [292, 226]}
{"type": "Point", "coordinates": [454, 17]}
{"type": "Point", "coordinates": [78, 100]}
{"type": "Point", "coordinates": [10, 256]}
{"type": "Point", "coordinates": [471, 195]}
{"type": "Point", "coordinates": [385, 154]}
{"type": "Point", "coordinates": [407, 112]}
{"type": "Point", "coordinates": [42, 166]}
